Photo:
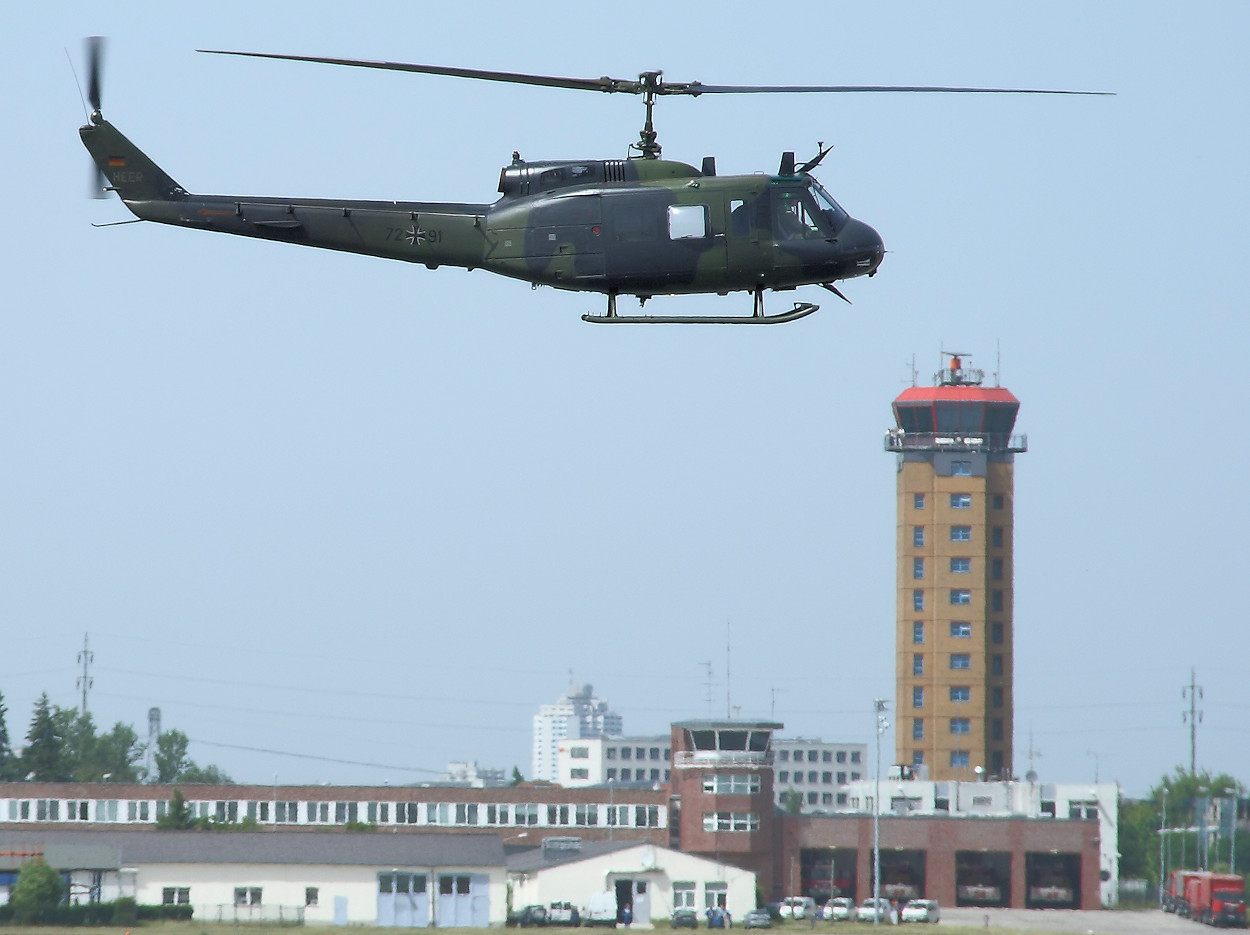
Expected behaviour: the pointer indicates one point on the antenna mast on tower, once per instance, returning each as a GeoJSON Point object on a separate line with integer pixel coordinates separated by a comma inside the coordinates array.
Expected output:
{"type": "Point", "coordinates": [86, 657]}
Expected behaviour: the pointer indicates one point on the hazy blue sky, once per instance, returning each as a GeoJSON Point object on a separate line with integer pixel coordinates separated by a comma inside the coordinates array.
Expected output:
{"type": "Point", "coordinates": [354, 509]}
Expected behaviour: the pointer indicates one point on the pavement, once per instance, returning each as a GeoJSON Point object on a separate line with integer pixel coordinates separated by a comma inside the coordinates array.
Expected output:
{"type": "Point", "coordinates": [1085, 922]}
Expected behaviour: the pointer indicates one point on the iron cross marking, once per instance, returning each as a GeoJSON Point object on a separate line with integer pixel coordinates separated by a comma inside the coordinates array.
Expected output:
{"type": "Point", "coordinates": [415, 236]}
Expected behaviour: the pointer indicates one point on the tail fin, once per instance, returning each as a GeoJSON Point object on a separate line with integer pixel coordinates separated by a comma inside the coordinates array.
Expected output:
{"type": "Point", "coordinates": [131, 174]}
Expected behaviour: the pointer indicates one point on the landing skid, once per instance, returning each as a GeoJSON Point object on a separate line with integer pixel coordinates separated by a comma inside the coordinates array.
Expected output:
{"type": "Point", "coordinates": [800, 310]}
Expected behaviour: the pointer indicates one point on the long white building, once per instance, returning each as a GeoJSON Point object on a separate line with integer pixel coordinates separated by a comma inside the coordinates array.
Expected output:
{"type": "Point", "coordinates": [578, 714]}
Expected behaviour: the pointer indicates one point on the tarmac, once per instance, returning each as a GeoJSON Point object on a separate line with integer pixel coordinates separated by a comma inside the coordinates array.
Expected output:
{"type": "Point", "coordinates": [1085, 922]}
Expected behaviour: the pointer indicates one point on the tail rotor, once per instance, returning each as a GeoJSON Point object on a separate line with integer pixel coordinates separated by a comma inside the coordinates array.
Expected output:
{"type": "Point", "coordinates": [95, 57]}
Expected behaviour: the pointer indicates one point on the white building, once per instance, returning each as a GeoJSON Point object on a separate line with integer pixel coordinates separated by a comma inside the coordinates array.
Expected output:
{"type": "Point", "coordinates": [343, 878]}
{"type": "Point", "coordinates": [579, 714]}
{"type": "Point", "coordinates": [621, 761]}
{"type": "Point", "coordinates": [471, 775]}
{"type": "Point", "coordinates": [653, 880]}
{"type": "Point", "coordinates": [1040, 800]}
{"type": "Point", "coordinates": [818, 772]}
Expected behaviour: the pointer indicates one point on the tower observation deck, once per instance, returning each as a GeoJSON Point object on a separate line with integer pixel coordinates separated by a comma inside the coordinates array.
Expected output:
{"type": "Point", "coordinates": [954, 633]}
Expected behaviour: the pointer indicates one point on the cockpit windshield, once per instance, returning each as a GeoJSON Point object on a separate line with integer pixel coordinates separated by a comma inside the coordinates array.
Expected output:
{"type": "Point", "coordinates": [832, 210]}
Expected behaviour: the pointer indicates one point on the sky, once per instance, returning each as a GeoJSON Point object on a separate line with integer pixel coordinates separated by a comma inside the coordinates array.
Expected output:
{"type": "Point", "coordinates": [346, 520]}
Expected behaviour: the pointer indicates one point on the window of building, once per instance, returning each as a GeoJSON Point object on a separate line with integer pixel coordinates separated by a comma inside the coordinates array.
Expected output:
{"type": "Point", "coordinates": [841, 799]}
{"type": "Point", "coordinates": [961, 501]}
{"type": "Point", "coordinates": [811, 775]}
{"type": "Point", "coordinates": [997, 501]}
{"type": "Point", "coordinates": [917, 536]}
{"type": "Point", "coordinates": [247, 895]}
{"type": "Point", "coordinates": [961, 468]}
{"type": "Point", "coordinates": [961, 534]}
{"type": "Point", "coordinates": [996, 537]}
{"type": "Point", "coordinates": [826, 779]}
{"type": "Point", "coordinates": [917, 728]}
{"type": "Point", "coordinates": [997, 602]}
{"type": "Point", "coordinates": [854, 756]}
{"type": "Point", "coordinates": [176, 895]}
{"type": "Point", "coordinates": [961, 693]}
{"type": "Point", "coordinates": [730, 821]}
{"type": "Point", "coordinates": [579, 773]}
{"type": "Point", "coordinates": [798, 776]}
{"type": "Point", "coordinates": [917, 501]}
{"type": "Point", "coordinates": [961, 629]}
{"type": "Point", "coordinates": [826, 798]}
{"type": "Point", "coordinates": [961, 566]}
{"type": "Point", "coordinates": [683, 895]}
{"type": "Point", "coordinates": [917, 568]}
{"type": "Point", "coordinates": [917, 632]}
{"type": "Point", "coordinates": [586, 815]}
{"type": "Point", "coordinates": [961, 596]}
{"type": "Point", "coordinates": [854, 777]}
{"type": "Point", "coordinates": [960, 758]}
{"type": "Point", "coordinates": [841, 756]}
{"type": "Point", "coordinates": [917, 758]}
{"type": "Point", "coordinates": [917, 599]}
{"type": "Point", "coordinates": [812, 798]}
{"type": "Point", "coordinates": [783, 755]}
{"type": "Point", "coordinates": [826, 756]}
{"type": "Point", "coordinates": [627, 753]}
{"type": "Point", "coordinates": [961, 725]}
{"type": "Point", "coordinates": [996, 697]}
{"type": "Point", "coordinates": [996, 664]}
{"type": "Point", "coordinates": [735, 783]}
{"type": "Point", "coordinates": [917, 664]}
{"type": "Point", "coordinates": [917, 696]}
{"type": "Point", "coordinates": [996, 633]}
{"type": "Point", "coordinates": [611, 774]}
{"type": "Point", "coordinates": [654, 753]}
{"type": "Point", "coordinates": [579, 753]}
{"type": "Point", "coordinates": [841, 779]}
{"type": "Point", "coordinates": [996, 569]}
{"type": "Point", "coordinates": [640, 753]}
{"type": "Point", "coordinates": [610, 753]}
{"type": "Point", "coordinates": [996, 729]}
{"type": "Point", "coordinates": [961, 661]}
{"type": "Point", "coordinates": [813, 756]}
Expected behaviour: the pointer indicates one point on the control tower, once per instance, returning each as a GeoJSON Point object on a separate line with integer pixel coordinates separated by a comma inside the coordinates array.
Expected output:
{"type": "Point", "coordinates": [953, 641]}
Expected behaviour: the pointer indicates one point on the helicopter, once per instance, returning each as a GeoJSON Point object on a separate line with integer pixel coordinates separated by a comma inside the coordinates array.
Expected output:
{"type": "Point", "coordinates": [636, 226]}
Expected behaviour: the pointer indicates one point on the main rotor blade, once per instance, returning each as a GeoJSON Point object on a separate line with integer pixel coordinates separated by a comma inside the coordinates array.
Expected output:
{"type": "Point", "coordinates": [608, 85]}
{"type": "Point", "coordinates": [95, 52]}
{"type": "Point", "coordinates": [696, 88]}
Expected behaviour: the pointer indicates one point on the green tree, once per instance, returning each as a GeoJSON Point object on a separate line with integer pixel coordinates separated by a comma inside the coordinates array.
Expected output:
{"type": "Point", "coordinates": [45, 754]}
{"type": "Point", "coordinates": [115, 754]}
{"type": "Point", "coordinates": [38, 890]}
{"type": "Point", "coordinates": [517, 778]}
{"type": "Point", "coordinates": [208, 775]}
{"type": "Point", "coordinates": [9, 767]}
{"type": "Point", "coordinates": [171, 755]}
{"type": "Point", "coordinates": [178, 815]}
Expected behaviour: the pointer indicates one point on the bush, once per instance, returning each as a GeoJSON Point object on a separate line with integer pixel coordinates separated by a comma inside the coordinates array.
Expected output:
{"type": "Point", "coordinates": [38, 891]}
{"type": "Point", "coordinates": [125, 911]}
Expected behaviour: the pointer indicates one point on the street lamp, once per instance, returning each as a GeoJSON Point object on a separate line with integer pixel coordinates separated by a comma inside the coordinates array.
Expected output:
{"type": "Point", "coordinates": [1163, 823]}
{"type": "Point", "coordinates": [883, 724]}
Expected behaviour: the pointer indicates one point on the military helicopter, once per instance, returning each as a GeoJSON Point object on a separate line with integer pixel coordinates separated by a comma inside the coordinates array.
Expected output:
{"type": "Point", "coordinates": [640, 226]}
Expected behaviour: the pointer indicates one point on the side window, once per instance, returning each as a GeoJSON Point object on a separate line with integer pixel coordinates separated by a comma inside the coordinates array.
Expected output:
{"type": "Point", "coordinates": [687, 222]}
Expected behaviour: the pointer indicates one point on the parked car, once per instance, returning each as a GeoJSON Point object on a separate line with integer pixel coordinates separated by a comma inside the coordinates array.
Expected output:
{"type": "Point", "coordinates": [797, 907]}
{"type": "Point", "coordinates": [563, 913]}
{"type": "Point", "coordinates": [878, 908]}
{"type": "Point", "coordinates": [684, 919]}
{"type": "Point", "coordinates": [529, 915]}
{"type": "Point", "coordinates": [921, 910]}
{"type": "Point", "coordinates": [757, 919]}
{"type": "Point", "coordinates": [840, 909]}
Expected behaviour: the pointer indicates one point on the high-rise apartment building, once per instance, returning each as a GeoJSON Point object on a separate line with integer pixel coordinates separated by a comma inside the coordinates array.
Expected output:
{"type": "Point", "coordinates": [578, 714]}
{"type": "Point", "coordinates": [953, 643]}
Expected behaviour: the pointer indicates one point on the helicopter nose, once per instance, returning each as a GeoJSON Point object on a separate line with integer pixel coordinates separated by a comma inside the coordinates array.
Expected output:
{"type": "Point", "coordinates": [862, 247]}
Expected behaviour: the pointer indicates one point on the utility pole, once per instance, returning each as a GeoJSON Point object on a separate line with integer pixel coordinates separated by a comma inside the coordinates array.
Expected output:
{"type": "Point", "coordinates": [883, 724]}
{"type": "Point", "coordinates": [1193, 692]}
{"type": "Point", "coordinates": [86, 657]}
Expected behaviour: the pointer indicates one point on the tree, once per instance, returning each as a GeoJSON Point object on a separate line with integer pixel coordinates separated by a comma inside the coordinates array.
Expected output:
{"type": "Point", "coordinates": [38, 890]}
{"type": "Point", "coordinates": [8, 761]}
{"type": "Point", "coordinates": [517, 778]}
{"type": "Point", "coordinates": [178, 815]}
{"type": "Point", "coordinates": [117, 755]}
{"type": "Point", "coordinates": [171, 755]}
{"type": "Point", "coordinates": [45, 755]}
{"type": "Point", "coordinates": [208, 775]}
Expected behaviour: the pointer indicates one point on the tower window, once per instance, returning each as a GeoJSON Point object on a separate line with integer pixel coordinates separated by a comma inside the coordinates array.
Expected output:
{"type": "Point", "coordinates": [996, 569]}
{"type": "Point", "coordinates": [917, 567]}
{"type": "Point", "coordinates": [917, 728]}
{"type": "Point", "coordinates": [961, 566]}
{"type": "Point", "coordinates": [917, 633]}
{"type": "Point", "coordinates": [961, 693]}
{"type": "Point", "coordinates": [917, 599]}
{"type": "Point", "coordinates": [996, 697]}
{"type": "Point", "coordinates": [961, 534]}
{"type": "Point", "coordinates": [917, 697]}
{"type": "Point", "coordinates": [917, 535]}
{"type": "Point", "coordinates": [961, 661]}
{"type": "Point", "coordinates": [961, 501]}
{"type": "Point", "coordinates": [996, 633]}
{"type": "Point", "coordinates": [996, 728]}
{"type": "Point", "coordinates": [961, 468]}
{"type": "Point", "coordinates": [961, 596]}
{"type": "Point", "coordinates": [961, 629]}
{"type": "Point", "coordinates": [917, 663]}
{"type": "Point", "coordinates": [960, 758]}
{"type": "Point", "coordinates": [996, 537]}
{"type": "Point", "coordinates": [961, 725]}
{"type": "Point", "coordinates": [996, 600]}
{"type": "Point", "coordinates": [996, 664]}
{"type": "Point", "coordinates": [917, 501]}
{"type": "Point", "coordinates": [998, 501]}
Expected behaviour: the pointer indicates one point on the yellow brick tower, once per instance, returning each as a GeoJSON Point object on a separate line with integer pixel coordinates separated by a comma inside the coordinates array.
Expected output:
{"type": "Point", "coordinates": [953, 643]}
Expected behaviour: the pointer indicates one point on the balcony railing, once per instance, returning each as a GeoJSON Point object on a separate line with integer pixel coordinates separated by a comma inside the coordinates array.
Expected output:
{"type": "Point", "coordinates": [685, 759]}
{"type": "Point", "coordinates": [896, 440]}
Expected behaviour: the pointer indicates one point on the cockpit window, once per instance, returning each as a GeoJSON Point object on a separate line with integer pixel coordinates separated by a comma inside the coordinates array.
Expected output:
{"type": "Point", "coordinates": [833, 210]}
{"type": "Point", "coordinates": [797, 217]}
